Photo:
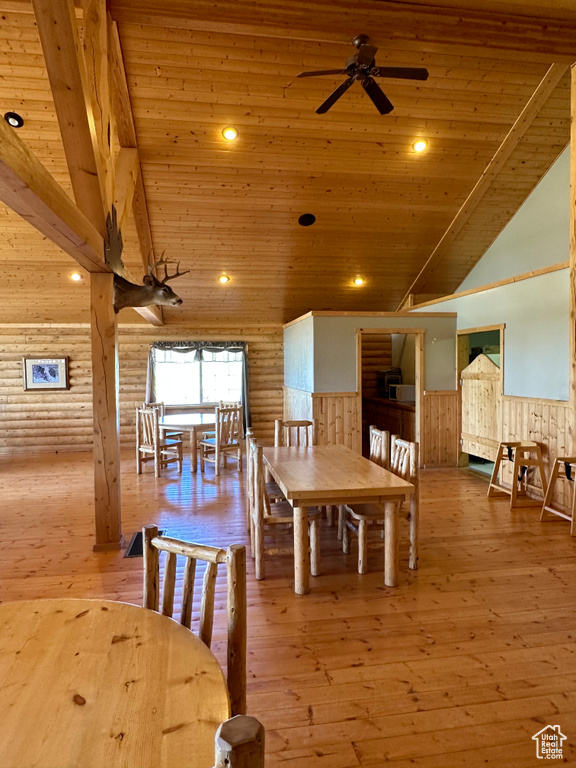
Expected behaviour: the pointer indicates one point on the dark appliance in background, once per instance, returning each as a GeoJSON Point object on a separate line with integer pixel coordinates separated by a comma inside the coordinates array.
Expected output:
{"type": "Point", "coordinates": [385, 378]}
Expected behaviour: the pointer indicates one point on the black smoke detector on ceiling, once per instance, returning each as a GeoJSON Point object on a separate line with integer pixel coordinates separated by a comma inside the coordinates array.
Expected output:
{"type": "Point", "coordinates": [14, 119]}
{"type": "Point", "coordinates": [307, 219]}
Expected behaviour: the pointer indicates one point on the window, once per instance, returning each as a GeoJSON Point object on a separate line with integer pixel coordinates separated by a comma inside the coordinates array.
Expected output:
{"type": "Point", "coordinates": [181, 379]}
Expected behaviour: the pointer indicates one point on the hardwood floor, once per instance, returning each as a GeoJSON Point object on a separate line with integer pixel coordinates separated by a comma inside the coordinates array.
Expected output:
{"type": "Point", "coordinates": [459, 666]}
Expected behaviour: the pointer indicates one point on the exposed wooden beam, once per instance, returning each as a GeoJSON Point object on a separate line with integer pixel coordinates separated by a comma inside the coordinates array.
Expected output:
{"type": "Point", "coordinates": [504, 151]}
{"type": "Point", "coordinates": [126, 174]}
{"type": "Point", "coordinates": [97, 67]}
{"type": "Point", "coordinates": [105, 389]}
{"type": "Point", "coordinates": [57, 27]}
{"type": "Point", "coordinates": [128, 139]}
{"type": "Point", "coordinates": [28, 189]}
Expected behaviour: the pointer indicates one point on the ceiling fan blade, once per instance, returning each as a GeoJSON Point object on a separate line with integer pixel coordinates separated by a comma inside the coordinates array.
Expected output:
{"type": "Point", "coordinates": [366, 54]}
{"type": "Point", "coordinates": [333, 98]}
{"type": "Point", "coordinates": [323, 72]}
{"type": "Point", "coordinates": [379, 98]}
{"type": "Point", "coordinates": [404, 73]}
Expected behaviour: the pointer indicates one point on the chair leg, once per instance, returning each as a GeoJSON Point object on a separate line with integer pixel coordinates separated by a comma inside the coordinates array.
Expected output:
{"type": "Point", "coordinates": [315, 547]}
{"type": "Point", "coordinates": [259, 549]}
{"type": "Point", "coordinates": [550, 489]}
{"type": "Point", "coordinates": [157, 463]}
{"type": "Point", "coordinates": [345, 537]}
{"type": "Point", "coordinates": [201, 458]}
{"type": "Point", "coordinates": [180, 459]}
{"type": "Point", "coordinates": [217, 460]}
{"type": "Point", "coordinates": [240, 468]}
{"type": "Point", "coordinates": [515, 468]}
{"type": "Point", "coordinates": [494, 479]}
{"type": "Point", "coordinates": [362, 546]}
{"type": "Point", "coordinates": [341, 521]}
{"type": "Point", "coordinates": [138, 462]}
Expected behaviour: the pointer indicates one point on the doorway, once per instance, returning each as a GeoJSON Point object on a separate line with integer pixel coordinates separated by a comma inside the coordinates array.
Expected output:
{"type": "Point", "coordinates": [480, 356]}
{"type": "Point", "coordinates": [389, 365]}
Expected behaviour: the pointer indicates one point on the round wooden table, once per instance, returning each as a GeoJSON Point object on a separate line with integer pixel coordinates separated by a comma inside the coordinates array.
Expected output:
{"type": "Point", "coordinates": [101, 684]}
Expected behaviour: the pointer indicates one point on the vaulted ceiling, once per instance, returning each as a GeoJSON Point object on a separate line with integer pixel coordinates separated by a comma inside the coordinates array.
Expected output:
{"type": "Point", "coordinates": [381, 209]}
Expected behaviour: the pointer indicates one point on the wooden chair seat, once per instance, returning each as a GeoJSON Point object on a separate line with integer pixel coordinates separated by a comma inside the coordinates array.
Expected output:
{"type": "Point", "coordinates": [564, 469]}
{"type": "Point", "coordinates": [227, 440]}
{"type": "Point", "coordinates": [525, 456]}
{"type": "Point", "coordinates": [235, 560]}
{"type": "Point", "coordinates": [149, 445]}
{"type": "Point", "coordinates": [266, 516]}
{"type": "Point", "coordinates": [356, 518]}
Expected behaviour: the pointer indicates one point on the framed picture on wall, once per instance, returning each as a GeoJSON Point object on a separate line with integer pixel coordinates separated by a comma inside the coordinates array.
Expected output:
{"type": "Point", "coordinates": [45, 373]}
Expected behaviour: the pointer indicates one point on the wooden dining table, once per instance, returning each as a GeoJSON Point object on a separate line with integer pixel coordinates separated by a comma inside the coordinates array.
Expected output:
{"type": "Point", "coordinates": [323, 475]}
{"type": "Point", "coordinates": [196, 423]}
{"type": "Point", "coordinates": [96, 683]}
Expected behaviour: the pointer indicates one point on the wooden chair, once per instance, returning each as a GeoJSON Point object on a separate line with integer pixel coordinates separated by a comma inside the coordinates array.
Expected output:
{"type": "Point", "coordinates": [295, 433]}
{"type": "Point", "coordinates": [169, 434]}
{"type": "Point", "coordinates": [524, 455]}
{"type": "Point", "coordinates": [564, 469]}
{"type": "Point", "coordinates": [227, 439]}
{"type": "Point", "coordinates": [379, 454]}
{"type": "Point", "coordinates": [150, 446]}
{"type": "Point", "coordinates": [403, 463]}
{"type": "Point", "coordinates": [267, 515]}
{"type": "Point", "coordinates": [235, 559]}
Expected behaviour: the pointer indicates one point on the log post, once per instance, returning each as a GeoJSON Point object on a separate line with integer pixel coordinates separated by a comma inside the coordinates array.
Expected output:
{"type": "Point", "coordinates": [105, 410]}
{"type": "Point", "coordinates": [240, 743]}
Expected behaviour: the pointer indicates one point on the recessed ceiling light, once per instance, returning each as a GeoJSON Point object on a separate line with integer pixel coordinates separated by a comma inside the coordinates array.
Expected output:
{"type": "Point", "coordinates": [307, 219]}
{"type": "Point", "coordinates": [358, 281]}
{"type": "Point", "coordinates": [14, 119]}
{"type": "Point", "coordinates": [419, 145]}
{"type": "Point", "coordinates": [230, 133]}
{"type": "Point", "coordinates": [76, 276]}
{"type": "Point", "coordinates": [224, 279]}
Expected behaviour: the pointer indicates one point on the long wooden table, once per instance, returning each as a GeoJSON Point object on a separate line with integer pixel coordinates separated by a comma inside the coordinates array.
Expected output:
{"type": "Point", "coordinates": [95, 683]}
{"type": "Point", "coordinates": [194, 423]}
{"type": "Point", "coordinates": [333, 474]}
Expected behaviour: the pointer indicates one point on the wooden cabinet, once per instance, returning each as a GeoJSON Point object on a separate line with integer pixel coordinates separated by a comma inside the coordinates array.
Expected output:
{"type": "Point", "coordinates": [397, 418]}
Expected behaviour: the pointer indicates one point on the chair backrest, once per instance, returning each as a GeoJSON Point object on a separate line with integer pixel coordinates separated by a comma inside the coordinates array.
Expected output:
{"type": "Point", "coordinates": [380, 447]}
{"type": "Point", "coordinates": [229, 403]}
{"type": "Point", "coordinates": [295, 432]}
{"type": "Point", "coordinates": [235, 559]}
{"type": "Point", "coordinates": [404, 459]}
{"type": "Point", "coordinates": [147, 429]}
{"type": "Point", "coordinates": [159, 406]}
{"type": "Point", "coordinates": [229, 425]}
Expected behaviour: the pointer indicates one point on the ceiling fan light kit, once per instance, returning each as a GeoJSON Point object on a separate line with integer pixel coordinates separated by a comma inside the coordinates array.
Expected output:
{"type": "Point", "coordinates": [361, 67]}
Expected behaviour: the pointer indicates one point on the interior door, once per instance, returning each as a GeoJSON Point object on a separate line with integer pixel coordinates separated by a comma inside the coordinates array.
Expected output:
{"type": "Point", "coordinates": [481, 408]}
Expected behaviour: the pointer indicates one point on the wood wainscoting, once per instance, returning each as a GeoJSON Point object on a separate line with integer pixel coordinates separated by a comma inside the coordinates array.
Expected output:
{"type": "Point", "coordinates": [339, 421]}
{"type": "Point", "coordinates": [439, 434]}
{"type": "Point", "coordinates": [338, 415]}
{"type": "Point", "coordinates": [548, 423]}
{"type": "Point", "coordinates": [32, 422]}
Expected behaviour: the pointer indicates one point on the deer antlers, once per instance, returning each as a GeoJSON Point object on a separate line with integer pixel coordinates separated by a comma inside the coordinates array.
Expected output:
{"type": "Point", "coordinates": [167, 277]}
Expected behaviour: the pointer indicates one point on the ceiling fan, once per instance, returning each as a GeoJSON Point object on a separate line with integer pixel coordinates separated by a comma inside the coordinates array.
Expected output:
{"type": "Point", "coordinates": [362, 67]}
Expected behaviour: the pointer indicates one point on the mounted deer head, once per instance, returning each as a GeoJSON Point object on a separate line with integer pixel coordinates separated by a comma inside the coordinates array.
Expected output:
{"type": "Point", "coordinates": [127, 294]}
{"type": "Point", "coordinates": [153, 290]}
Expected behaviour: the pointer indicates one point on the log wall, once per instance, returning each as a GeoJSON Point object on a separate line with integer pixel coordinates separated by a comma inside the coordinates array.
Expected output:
{"type": "Point", "coordinates": [33, 422]}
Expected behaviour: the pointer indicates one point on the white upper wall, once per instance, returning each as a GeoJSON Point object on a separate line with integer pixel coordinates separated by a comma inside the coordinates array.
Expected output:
{"type": "Point", "coordinates": [299, 355]}
{"type": "Point", "coordinates": [537, 236]}
{"type": "Point", "coordinates": [535, 311]}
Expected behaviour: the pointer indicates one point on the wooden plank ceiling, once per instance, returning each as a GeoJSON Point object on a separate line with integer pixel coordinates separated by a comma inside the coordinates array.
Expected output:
{"type": "Point", "coordinates": [380, 209]}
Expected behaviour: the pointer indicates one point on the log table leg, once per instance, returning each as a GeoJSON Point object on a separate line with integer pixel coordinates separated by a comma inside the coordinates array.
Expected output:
{"type": "Point", "coordinates": [301, 551]}
{"type": "Point", "coordinates": [391, 542]}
